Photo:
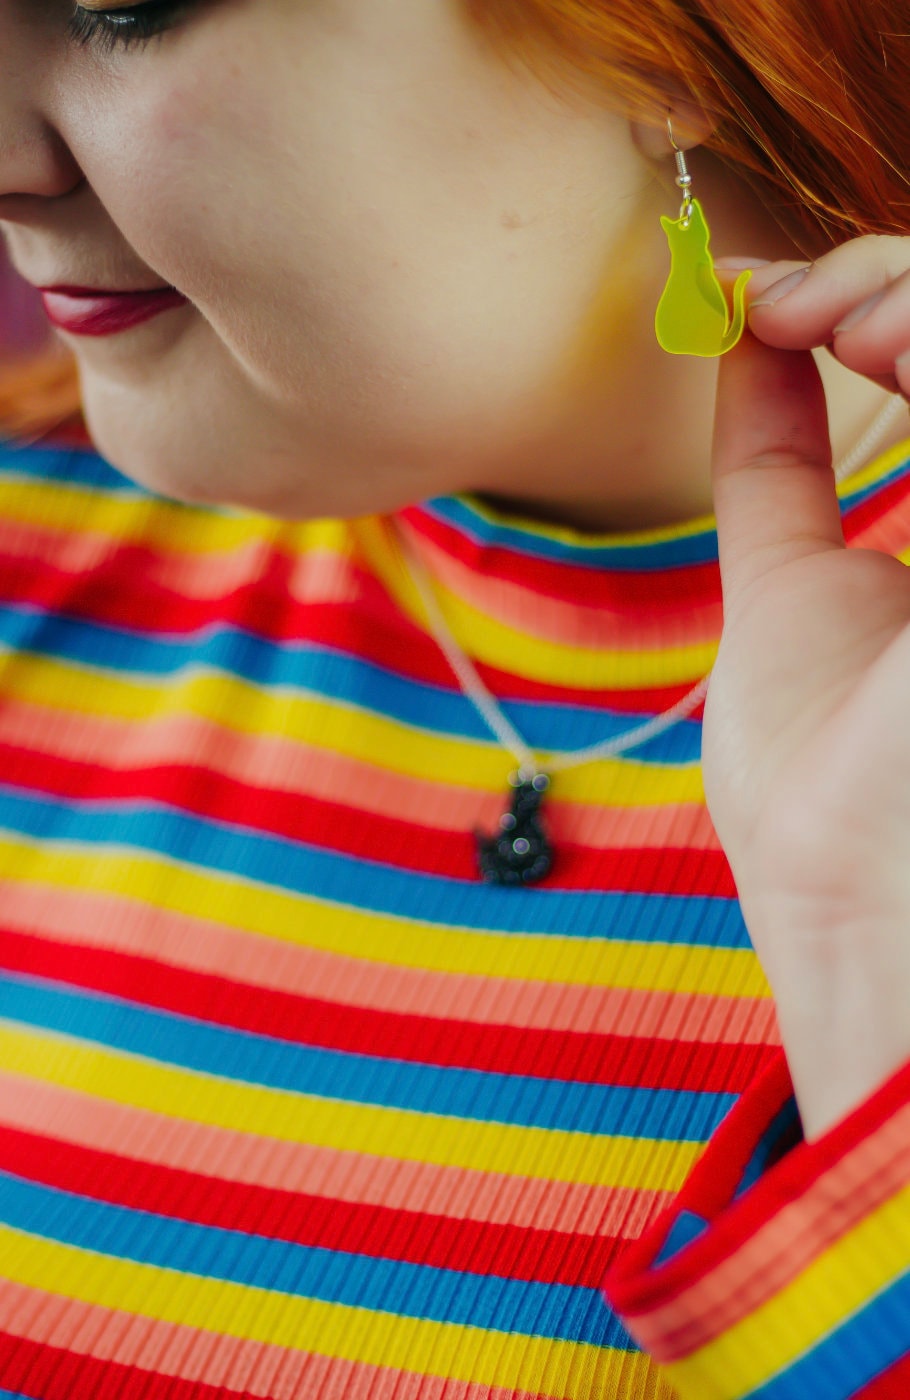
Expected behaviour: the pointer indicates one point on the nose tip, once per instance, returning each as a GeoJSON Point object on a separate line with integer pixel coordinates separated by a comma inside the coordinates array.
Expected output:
{"type": "Point", "coordinates": [35, 163]}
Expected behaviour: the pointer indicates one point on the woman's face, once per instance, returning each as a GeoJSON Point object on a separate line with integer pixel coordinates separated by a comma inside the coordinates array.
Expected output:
{"type": "Point", "coordinates": [392, 244]}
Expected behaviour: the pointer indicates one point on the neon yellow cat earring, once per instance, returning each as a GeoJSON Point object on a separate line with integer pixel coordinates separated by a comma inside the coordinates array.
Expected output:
{"type": "Point", "coordinates": [692, 316]}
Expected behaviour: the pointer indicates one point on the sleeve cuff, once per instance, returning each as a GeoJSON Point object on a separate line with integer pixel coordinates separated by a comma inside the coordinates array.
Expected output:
{"type": "Point", "coordinates": [780, 1254]}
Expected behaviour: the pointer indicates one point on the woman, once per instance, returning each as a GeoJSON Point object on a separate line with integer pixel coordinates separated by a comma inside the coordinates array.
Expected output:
{"type": "Point", "coordinates": [308, 1090]}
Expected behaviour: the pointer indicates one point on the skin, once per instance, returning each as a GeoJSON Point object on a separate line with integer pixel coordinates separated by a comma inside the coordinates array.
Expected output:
{"type": "Point", "coordinates": [411, 270]}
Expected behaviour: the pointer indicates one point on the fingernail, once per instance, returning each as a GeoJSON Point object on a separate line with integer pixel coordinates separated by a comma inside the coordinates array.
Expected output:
{"type": "Point", "coordinates": [739, 264]}
{"type": "Point", "coordinates": [778, 290]}
{"type": "Point", "coordinates": [859, 313]}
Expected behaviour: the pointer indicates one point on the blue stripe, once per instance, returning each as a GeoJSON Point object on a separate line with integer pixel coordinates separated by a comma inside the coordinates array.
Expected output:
{"type": "Point", "coordinates": [666, 551]}
{"type": "Point", "coordinates": [562, 1105]}
{"type": "Point", "coordinates": [301, 667]}
{"type": "Point", "coordinates": [15, 1395]}
{"type": "Point", "coordinates": [782, 1135]}
{"type": "Point", "coordinates": [353, 1280]}
{"type": "Point", "coordinates": [685, 1230]}
{"type": "Point", "coordinates": [66, 466]}
{"type": "Point", "coordinates": [857, 1352]}
{"type": "Point", "coordinates": [642, 556]}
{"type": "Point", "coordinates": [212, 846]}
{"type": "Point", "coordinates": [850, 500]}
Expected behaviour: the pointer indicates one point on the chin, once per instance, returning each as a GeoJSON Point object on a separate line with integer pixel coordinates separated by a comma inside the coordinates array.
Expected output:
{"type": "Point", "coordinates": [183, 462]}
{"type": "Point", "coordinates": [138, 464]}
{"type": "Point", "coordinates": [156, 464]}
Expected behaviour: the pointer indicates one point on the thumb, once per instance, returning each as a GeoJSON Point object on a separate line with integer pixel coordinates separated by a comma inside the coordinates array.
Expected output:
{"type": "Point", "coordinates": [774, 489]}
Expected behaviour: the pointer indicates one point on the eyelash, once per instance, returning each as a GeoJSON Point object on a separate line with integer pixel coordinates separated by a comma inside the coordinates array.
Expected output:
{"type": "Point", "coordinates": [110, 29]}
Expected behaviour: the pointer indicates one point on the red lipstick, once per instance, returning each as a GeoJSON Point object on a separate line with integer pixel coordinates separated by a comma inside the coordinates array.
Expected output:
{"type": "Point", "coordinates": [82, 311]}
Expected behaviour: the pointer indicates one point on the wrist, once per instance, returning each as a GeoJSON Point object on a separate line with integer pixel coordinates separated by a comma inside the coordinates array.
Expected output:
{"type": "Point", "coordinates": [843, 1004]}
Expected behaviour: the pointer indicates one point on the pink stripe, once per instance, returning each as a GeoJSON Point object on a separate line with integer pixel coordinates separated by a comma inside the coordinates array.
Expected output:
{"type": "Point", "coordinates": [888, 535]}
{"type": "Point", "coordinates": [258, 1369]}
{"type": "Point", "coordinates": [572, 624]}
{"type": "Point", "coordinates": [796, 1235]}
{"type": "Point", "coordinates": [307, 575]}
{"type": "Point", "coordinates": [199, 945]}
{"type": "Point", "coordinates": [267, 761]}
{"type": "Point", "coordinates": [78, 1118]}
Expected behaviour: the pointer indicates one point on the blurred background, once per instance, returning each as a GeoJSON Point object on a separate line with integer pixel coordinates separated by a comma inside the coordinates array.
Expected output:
{"type": "Point", "coordinates": [39, 388]}
{"type": "Point", "coordinates": [23, 325]}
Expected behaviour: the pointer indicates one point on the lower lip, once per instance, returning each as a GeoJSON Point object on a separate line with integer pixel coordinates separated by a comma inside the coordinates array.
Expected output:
{"type": "Point", "coordinates": [87, 315]}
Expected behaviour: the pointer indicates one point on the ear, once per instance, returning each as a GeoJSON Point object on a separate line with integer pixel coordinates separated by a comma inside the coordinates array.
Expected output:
{"type": "Point", "coordinates": [692, 125]}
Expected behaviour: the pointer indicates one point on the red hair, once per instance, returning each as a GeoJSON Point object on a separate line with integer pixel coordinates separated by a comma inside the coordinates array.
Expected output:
{"type": "Point", "coordinates": [38, 394]}
{"type": "Point", "coordinates": [809, 96]}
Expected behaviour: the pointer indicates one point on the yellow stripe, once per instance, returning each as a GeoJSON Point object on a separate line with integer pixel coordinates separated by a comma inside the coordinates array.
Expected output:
{"type": "Point", "coordinates": [875, 470]}
{"type": "Point", "coordinates": [837, 1284]}
{"type": "Point", "coordinates": [334, 726]}
{"type": "Point", "coordinates": [371, 937]}
{"type": "Point", "coordinates": [164, 526]}
{"type": "Point", "coordinates": [572, 1370]}
{"type": "Point", "coordinates": [401, 1134]}
{"type": "Point", "coordinates": [538, 658]}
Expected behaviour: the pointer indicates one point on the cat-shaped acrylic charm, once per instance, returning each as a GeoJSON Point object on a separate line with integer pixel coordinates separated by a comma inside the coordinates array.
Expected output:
{"type": "Point", "coordinates": [693, 317]}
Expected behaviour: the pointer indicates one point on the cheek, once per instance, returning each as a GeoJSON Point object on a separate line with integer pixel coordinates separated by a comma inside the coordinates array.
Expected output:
{"type": "Point", "coordinates": [165, 163]}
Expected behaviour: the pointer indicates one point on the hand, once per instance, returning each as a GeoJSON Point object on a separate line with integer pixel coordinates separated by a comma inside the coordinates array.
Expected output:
{"type": "Point", "coordinates": [807, 726]}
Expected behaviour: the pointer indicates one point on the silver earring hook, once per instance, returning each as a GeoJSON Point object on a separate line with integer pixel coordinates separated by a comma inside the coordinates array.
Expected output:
{"type": "Point", "coordinates": [683, 178]}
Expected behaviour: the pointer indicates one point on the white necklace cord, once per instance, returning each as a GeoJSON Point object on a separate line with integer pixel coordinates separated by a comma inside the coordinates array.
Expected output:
{"type": "Point", "coordinates": [529, 762]}
{"type": "Point", "coordinates": [500, 725]}
{"type": "Point", "coordinates": [860, 453]}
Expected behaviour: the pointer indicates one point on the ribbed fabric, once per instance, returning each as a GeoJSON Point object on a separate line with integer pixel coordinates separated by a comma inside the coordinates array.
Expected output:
{"type": "Point", "coordinates": [294, 1107]}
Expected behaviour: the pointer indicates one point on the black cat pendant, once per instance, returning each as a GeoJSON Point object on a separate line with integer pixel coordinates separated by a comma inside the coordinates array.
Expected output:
{"type": "Point", "coordinates": [518, 853]}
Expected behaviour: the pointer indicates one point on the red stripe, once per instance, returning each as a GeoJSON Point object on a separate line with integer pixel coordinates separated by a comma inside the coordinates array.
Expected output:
{"type": "Point", "coordinates": [122, 592]}
{"type": "Point", "coordinates": [893, 1384]}
{"type": "Point", "coordinates": [49, 1373]}
{"type": "Point", "coordinates": [866, 513]}
{"type": "Point", "coordinates": [497, 1049]}
{"type": "Point", "coordinates": [300, 817]}
{"type": "Point", "coordinates": [439, 1241]}
{"type": "Point", "coordinates": [619, 590]}
{"type": "Point", "coordinates": [684, 586]}
{"type": "Point", "coordinates": [636, 1287]}
{"type": "Point", "coordinates": [72, 433]}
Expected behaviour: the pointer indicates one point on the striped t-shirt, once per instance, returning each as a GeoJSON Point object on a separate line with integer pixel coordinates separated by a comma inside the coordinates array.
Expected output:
{"type": "Point", "coordinates": [293, 1105]}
